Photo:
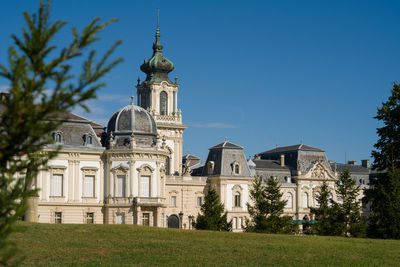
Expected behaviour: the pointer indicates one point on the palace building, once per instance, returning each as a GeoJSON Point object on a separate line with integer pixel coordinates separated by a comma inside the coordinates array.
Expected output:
{"type": "Point", "coordinates": [133, 171]}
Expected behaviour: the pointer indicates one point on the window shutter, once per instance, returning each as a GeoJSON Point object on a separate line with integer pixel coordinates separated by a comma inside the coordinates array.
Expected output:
{"type": "Point", "coordinates": [121, 186]}
{"type": "Point", "coordinates": [57, 185]}
{"type": "Point", "coordinates": [89, 186]}
{"type": "Point", "coordinates": [145, 186]}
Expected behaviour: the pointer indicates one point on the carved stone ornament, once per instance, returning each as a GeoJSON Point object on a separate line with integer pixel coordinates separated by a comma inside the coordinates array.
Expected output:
{"type": "Point", "coordinates": [318, 171]}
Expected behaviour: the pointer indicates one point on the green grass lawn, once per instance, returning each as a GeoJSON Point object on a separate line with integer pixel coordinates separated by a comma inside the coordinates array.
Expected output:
{"type": "Point", "coordinates": [124, 245]}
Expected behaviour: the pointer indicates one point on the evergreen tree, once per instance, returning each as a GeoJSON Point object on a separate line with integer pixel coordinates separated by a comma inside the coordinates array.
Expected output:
{"type": "Point", "coordinates": [213, 216]}
{"type": "Point", "coordinates": [349, 209]}
{"type": "Point", "coordinates": [41, 86]}
{"type": "Point", "coordinates": [384, 194]}
{"type": "Point", "coordinates": [267, 209]}
{"type": "Point", "coordinates": [257, 211]}
{"type": "Point", "coordinates": [326, 213]}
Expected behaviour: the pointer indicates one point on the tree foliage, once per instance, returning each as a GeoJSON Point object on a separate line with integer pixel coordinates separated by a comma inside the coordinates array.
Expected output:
{"type": "Point", "coordinates": [326, 214]}
{"type": "Point", "coordinates": [343, 217]}
{"type": "Point", "coordinates": [349, 208]}
{"type": "Point", "coordinates": [42, 85]}
{"type": "Point", "coordinates": [267, 208]}
{"type": "Point", "coordinates": [387, 153]}
{"type": "Point", "coordinates": [384, 195]}
{"type": "Point", "coordinates": [212, 215]}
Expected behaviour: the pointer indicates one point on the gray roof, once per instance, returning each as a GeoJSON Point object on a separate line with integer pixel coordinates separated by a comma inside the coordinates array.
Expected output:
{"type": "Point", "coordinates": [297, 157]}
{"type": "Point", "coordinates": [269, 164]}
{"type": "Point", "coordinates": [73, 130]}
{"type": "Point", "coordinates": [226, 144]}
{"type": "Point", "coordinates": [130, 119]}
{"type": "Point", "coordinates": [224, 156]}
{"type": "Point", "coordinates": [340, 167]}
{"type": "Point", "coordinates": [292, 148]}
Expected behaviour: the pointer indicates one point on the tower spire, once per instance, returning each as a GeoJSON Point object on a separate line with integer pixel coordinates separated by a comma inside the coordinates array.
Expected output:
{"type": "Point", "coordinates": [158, 27]}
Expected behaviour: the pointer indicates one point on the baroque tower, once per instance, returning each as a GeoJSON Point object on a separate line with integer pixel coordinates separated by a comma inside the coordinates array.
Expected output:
{"type": "Point", "coordinates": [159, 95]}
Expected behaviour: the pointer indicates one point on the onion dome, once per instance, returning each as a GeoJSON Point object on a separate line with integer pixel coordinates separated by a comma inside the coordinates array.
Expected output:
{"type": "Point", "coordinates": [157, 67]}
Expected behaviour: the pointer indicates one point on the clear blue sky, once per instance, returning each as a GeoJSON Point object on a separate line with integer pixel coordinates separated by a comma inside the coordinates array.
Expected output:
{"type": "Point", "coordinates": [261, 73]}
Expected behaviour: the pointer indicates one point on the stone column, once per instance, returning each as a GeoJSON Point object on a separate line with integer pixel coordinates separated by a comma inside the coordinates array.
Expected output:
{"type": "Point", "coordinates": [176, 101]}
{"type": "Point", "coordinates": [45, 191]}
{"type": "Point", "coordinates": [298, 202]}
{"type": "Point", "coordinates": [115, 181]}
{"type": "Point", "coordinates": [31, 214]}
{"type": "Point", "coordinates": [138, 215]}
{"type": "Point", "coordinates": [77, 183]}
{"type": "Point", "coordinates": [101, 180]}
{"type": "Point", "coordinates": [176, 155]}
{"type": "Point", "coordinates": [157, 217]}
{"type": "Point", "coordinates": [110, 177]}
{"type": "Point", "coordinates": [70, 180]}
{"type": "Point", "coordinates": [131, 173]}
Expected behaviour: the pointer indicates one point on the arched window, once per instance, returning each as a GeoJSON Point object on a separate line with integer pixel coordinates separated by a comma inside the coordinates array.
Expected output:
{"type": "Point", "coordinates": [143, 100]}
{"type": "Point", "coordinates": [237, 169]}
{"type": "Point", "coordinates": [88, 139]}
{"type": "Point", "coordinates": [57, 137]}
{"type": "Point", "coordinates": [163, 103]}
{"type": "Point", "coordinates": [167, 166]}
{"type": "Point", "coordinates": [305, 200]}
{"type": "Point", "coordinates": [289, 200]}
{"type": "Point", "coordinates": [237, 199]}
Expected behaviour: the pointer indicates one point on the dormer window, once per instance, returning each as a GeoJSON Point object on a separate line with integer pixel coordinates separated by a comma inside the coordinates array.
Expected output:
{"type": "Point", "coordinates": [57, 137]}
{"type": "Point", "coordinates": [88, 139]}
{"type": "Point", "coordinates": [236, 167]}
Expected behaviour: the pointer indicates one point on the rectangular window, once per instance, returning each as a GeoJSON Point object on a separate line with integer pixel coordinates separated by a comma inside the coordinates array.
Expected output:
{"type": "Point", "coordinates": [145, 186]}
{"type": "Point", "coordinates": [121, 186]}
{"type": "Point", "coordinates": [173, 201]}
{"type": "Point", "coordinates": [88, 186]}
{"type": "Point", "coordinates": [120, 218]}
{"type": "Point", "coordinates": [90, 218]}
{"type": "Point", "coordinates": [146, 219]}
{"type": "Point", "coordinates": [57, 185]}
{"type": "Point", "coordinates": [199, 201]}
{"type": "Point", "coordinates": [234, 223]}
{"type": "Point", "coordinates": [239, 223]}
{"type": "Point", "coordinates": [57, 217]}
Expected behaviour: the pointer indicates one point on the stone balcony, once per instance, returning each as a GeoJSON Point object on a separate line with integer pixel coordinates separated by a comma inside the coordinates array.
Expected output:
{"type": "Point", "coordinates": [149, 201]}
{"type": "Point", "coordinates": [168, 118]}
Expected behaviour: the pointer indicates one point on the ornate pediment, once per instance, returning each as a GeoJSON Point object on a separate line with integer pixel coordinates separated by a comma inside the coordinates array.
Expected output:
{"type": "Point", "coordinates": [120, 168]}
{"type": "Point", "coordinates": [319, 171]}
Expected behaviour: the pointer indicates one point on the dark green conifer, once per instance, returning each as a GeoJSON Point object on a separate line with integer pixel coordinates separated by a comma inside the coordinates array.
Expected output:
{"type": "Point", "coordinates": [267, 208]}
{"type": "Point", "coordinates": [384, 195]}
{"type": "Point", "coordinates": [42, 85]}
{"type": "Point", "coordinates": [212, 215]}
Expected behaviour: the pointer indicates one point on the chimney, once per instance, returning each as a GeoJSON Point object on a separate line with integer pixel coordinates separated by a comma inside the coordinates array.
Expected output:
{"type": "Point", "coordinates": [283, 160]}
{"type": "Point", "coordinates": [352, 162]}
{"type": "Point", "coordinates": [365, 163]}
